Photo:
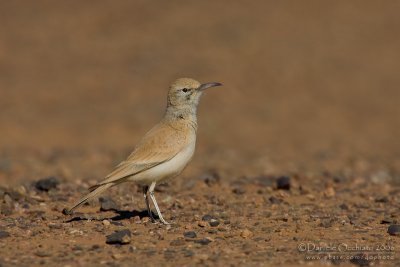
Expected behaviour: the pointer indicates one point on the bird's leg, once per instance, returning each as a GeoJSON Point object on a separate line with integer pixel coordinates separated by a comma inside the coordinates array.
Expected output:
{"type": "Point", "coordinates": [151, 192]}
{"type": "Point", "coordinates": [146, 199]}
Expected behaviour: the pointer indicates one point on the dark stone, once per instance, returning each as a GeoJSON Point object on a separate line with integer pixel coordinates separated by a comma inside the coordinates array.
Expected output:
{"type": "Point", "coordinates": [203, 241]}
{"type": "Point", "coordinates": [66, 211]}
{"type": "Point", "coordinates": [213, 222]}
{"type": "Point", "coordinates": [384, 199]}
{"type": "Point", "coordinates": [55, 226]}
{"type": "Point", "coordinates": [388, 221]}
{"type": "Point", "coordinates": [239, 190]}
{"type": "Point", "coordinates": [4, 234]}
{"type": "Point", "coordinates": [106, 204]}
{"type": "Point", "coordinates": [211, 178]}
{"type": "Point", "coordinates": [339, 179]}
{"type": "Point", "coordinates": [190, 234]}
{"type": "Point", "coordinates": [119, 237]}
{"type": "Point", "coordinates": [77, 248]}
{"type": "Point", "coordinates": [394, 229]}
{"type": "Point", "coordinates": [344, 206]}
{"type": "Point", "coordinates": [275, 200]}
{"type": "Point", "coordinates": [360, 260]}
{"type": "Point", "coordinates": [47, 184]}
{"type": "Point", "coordinates": [188, 253]}
{"type": "Point", "coordinates": [283, 182]}
{"type": "Point", "coordinates": [42, 253]}
{"type": "Point", "coordinates": [95, 247]}
{"type": "Point", "coordinates": [208, 217]}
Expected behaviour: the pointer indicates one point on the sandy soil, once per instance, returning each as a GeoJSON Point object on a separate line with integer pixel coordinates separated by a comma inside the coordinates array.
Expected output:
{"type": "Point", "coordinates": [310, 93]}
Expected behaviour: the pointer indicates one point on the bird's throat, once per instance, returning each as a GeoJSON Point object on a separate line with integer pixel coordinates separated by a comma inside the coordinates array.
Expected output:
{"type": "Point", "coordinates": [182, 114]}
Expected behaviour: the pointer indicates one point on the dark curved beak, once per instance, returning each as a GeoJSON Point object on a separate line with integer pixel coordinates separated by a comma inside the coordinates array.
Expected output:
{"type": "Point", "coordinates": [204, 86]}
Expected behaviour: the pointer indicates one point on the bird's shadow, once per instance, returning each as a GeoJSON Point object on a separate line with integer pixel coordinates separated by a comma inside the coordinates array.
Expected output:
{"type": "Point", "coordinates": [121, 215]}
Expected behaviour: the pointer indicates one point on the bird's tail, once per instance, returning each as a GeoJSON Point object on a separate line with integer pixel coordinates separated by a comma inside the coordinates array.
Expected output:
{"type": "Point", "coordinates": [95, 190]}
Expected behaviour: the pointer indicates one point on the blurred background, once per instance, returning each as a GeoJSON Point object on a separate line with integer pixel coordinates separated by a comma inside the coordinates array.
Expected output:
{"type": "Point", "coordinates": [302, 79]}
{"type": "Point", "coordinates": [301, 144]}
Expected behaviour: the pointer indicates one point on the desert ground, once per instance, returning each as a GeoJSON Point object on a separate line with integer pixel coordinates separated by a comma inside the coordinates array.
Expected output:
{"type": "Point", "coordinates": [298, 154]}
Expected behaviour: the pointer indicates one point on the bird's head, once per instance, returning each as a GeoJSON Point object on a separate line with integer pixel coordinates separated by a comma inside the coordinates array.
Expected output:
{"type": "Point", "coordinates": [186, 92]}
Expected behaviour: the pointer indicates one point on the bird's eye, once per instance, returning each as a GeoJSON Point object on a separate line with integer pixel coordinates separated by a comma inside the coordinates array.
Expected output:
{"type": "Point", "coordinates": [185, 90]}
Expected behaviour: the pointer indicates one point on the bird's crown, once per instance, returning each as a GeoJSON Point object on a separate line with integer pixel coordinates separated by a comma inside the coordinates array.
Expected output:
{"type": "Point", "coordinates": [182, 83]}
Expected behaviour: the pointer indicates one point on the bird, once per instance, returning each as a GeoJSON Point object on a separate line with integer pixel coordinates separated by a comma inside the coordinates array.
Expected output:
{"type": "Point", "coordinates": [164, 151]}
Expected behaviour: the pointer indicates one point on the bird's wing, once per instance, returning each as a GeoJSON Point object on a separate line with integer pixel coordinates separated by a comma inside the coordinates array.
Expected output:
{"type": "Point", "coordinates": [159, 145]}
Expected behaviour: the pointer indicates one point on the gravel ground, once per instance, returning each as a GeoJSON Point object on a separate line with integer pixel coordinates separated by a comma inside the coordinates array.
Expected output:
{"type": "Point", "coordinates": [216, 219]}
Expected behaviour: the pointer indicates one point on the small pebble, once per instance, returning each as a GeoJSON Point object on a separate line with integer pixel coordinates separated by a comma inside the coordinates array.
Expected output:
{"type": "Point", "coordinates": [77, 247]}
{"type": "Point", "coordinates": [106, 223]}
{"type": "Point", "coordinates": [117, 223]}
{"type": "Point", "coordinates": [202, 224]}
{"type": "Point", "coordinates": [65, 211]}
{"type": "Point", "coordinates": [135, 219]}
{"type": "Point", "coordinates": [283, 182]}
{"type": "Point", "coordinates": [95, 247]}
{"type": "Point", "coordinates": [211, 178]}
{"type": "Point", "coordinates": [190, 234]}
{"type": "Point", "coordinates": [394, 229]}
{"type": "Point", "coordinates": [238, 190]}
{"type": "Point", "coordinates": [106, 204]}
{"type": "Point", "coordinates": [213, 222]}
{"type": "Point", "coordinates": [203, 241]}
{"type": "Point", "coordinates": [382, 199]}
{"type": "Point", "coordinates": [146, 219]}
{"type": "Point", "coordinates": [207, 217]}
{"type": "Point", "coordinates": [42, 253]}
{"type": "Point", "coordinates": [329, 192]}
{"type": "Point", "coordinates": [246, 233]}
{"type": "Point", "coordinates": [117, 256]}
{"type": "Point", "coordinates": [188, 253]}
{"type": "Point", "coordinates": [177, 242]}
{"type": "Point", "coordinates": [310, 197]}
{"type": "Point", "coordinates": [47, 184]}
{"type": "Point", "coordinates": [119, 237]}
{"type": "Point", "coordinates": [4, 234]}
{"type": "Point", "coordinates": [388, 221]}
{"type": "Point", "coordinates": [55, 226]}
{"type": "Point", "coordinates": [274, 200]}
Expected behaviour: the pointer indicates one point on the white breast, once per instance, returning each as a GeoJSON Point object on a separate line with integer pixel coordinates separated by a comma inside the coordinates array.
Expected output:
{"type": "Point", "coordinates": [167, 169]}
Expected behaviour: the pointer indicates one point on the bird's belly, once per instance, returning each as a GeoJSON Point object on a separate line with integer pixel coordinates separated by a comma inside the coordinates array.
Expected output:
{"type": "Point", "coordinates": [167, 169]}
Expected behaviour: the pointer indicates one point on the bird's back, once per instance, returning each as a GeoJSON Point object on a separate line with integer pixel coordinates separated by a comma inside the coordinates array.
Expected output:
{"type": "Point", "coordinates": [160, 145]}
{"type": "Point", "coordinates": [162, 142]}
